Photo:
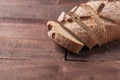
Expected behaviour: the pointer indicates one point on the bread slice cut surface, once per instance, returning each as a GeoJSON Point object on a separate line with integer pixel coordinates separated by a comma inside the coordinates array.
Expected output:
{"type": "Point", "coordinates": [61, 36]}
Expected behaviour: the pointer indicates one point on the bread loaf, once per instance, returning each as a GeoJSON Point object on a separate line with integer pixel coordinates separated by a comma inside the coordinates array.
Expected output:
{"type": "Point", "coordinates": [92, 23]}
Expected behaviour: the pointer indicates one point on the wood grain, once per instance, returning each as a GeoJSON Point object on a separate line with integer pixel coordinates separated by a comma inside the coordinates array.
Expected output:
{"type": "Point", "coordinates": [26, 38]}
{"type": "Point", "coordinates": [108, 52]}
{"type": "Point", "coordinates": [26, 52]}
{"type": "Point", "coordinates": [40, 2]}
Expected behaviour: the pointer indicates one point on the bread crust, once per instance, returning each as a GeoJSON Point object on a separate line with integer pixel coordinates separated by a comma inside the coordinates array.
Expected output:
{"type": "Point", "coordinates": [110, 16]}
{"type": "Point", "coordinates": [64, 41]}
{"type": "Point", "coordinates": [101, 18]}
{"type": "Point", "coordinates": [77, 30]}
{"type": "Point", "coordinates": [111, 11]}
{"type": "Point", "coordinates": [95, 29]}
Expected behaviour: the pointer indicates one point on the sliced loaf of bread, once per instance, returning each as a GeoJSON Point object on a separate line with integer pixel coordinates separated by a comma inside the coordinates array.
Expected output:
{"type": "Point", "coordinates": [95, 22]}
{"type": "Point", "coordinates": [76, 29]}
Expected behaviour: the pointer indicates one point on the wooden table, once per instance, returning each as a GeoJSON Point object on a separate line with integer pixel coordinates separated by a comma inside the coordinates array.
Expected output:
{"type": "Point", "coordinates": [26, 52]}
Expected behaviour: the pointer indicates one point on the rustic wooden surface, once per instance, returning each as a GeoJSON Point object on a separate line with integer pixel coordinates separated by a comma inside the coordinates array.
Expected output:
{"type": "Point", "coordinates": [26, 52]}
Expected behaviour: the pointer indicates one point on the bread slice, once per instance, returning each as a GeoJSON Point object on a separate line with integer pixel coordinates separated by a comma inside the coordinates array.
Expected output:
{"type": "Point", "coordinates": [77, 30]}
{"type": "Point", "coordinates": [61, 36]}
{"type": "Point", "coordinates": [99, 22]}
{"type": "Point", "coordinates": [90, 25]}
{"type": "Point", "coordinates": [84, 26]}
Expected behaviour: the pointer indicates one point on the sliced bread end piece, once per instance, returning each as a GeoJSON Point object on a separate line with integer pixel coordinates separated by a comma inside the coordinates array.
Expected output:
{"type": "Point", "coordinates": [63, 37]}
{"type": "Point", "coordinates": [76, 29]}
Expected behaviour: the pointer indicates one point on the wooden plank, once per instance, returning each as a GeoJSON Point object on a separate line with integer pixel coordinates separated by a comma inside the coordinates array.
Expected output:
{"type": "Point", "coordinates": [39, 2]}
{"type": "Point", "coordinates": [29, 70]}
{"type": "Point", "coordinates": [33, 30]}
{"type": "Point", "coordinates": [27, 40]}
{"type": "Point", "coordinates": [30, 49]}
{"type": "Point", "coordinates": [25, 70]}
{"type": "Point", "coordinates": [108, 52]}
{"type": "Point", "coordinates": [33, 2]}
{"type": "Point", "coordinates": [91, 71]}
{"type": "Point", "coordinates": [33, 11]}
{"type": "Point", "coordinates": [26, 52]}
{"type": "Point", "coordinates": [113, 49]}
{"type": "Point", "coordinates": [96, 54]}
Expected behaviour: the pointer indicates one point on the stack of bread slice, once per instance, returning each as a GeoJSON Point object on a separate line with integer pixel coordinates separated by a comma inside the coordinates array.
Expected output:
{"type": "Point", "coordinates": [89, 24]}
